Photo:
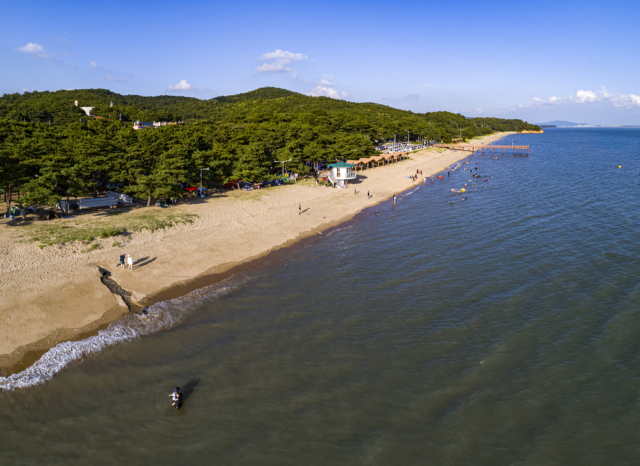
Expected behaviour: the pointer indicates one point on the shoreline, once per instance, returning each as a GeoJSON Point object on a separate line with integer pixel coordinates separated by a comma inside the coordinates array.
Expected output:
{"type": "Point", "coordinates": [203, 268]}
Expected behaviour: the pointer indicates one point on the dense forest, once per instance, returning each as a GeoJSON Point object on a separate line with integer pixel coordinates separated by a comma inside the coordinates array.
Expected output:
{"type": "Point", "coordinates": [49, 148]}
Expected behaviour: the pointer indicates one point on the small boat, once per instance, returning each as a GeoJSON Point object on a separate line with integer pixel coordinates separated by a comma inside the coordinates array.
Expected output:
{"type": "Point", "coordinates": [485, 180]}
{"type": "Point", "coordinates": [440, 177]}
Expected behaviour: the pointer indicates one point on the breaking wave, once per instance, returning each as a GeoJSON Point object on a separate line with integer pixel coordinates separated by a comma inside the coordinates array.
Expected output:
{"type": "Point", "coordinates": [160, 316]}
{"type": "Point", "coordinates": [332, 232]}
{"type": "Point", "coordinates": [409, 193]}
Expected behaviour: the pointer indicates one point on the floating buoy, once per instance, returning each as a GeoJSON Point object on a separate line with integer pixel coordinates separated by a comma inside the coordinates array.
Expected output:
{"type": "Point", "coordinates": [619, 166]}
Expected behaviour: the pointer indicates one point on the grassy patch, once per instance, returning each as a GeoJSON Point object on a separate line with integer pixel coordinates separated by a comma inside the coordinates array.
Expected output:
{"type": "Point", "coordinates": [115, 244]}
{"type": "Point", "coordinates": [109, 232]}
{"type": "Point", "coordinates": [93, 247]}
{"type": "Point", "coordinates": [59, 231]}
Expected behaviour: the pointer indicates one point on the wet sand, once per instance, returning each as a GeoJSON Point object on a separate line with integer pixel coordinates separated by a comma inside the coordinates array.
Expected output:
{"type": "Point", "coordinates": [51, 295]}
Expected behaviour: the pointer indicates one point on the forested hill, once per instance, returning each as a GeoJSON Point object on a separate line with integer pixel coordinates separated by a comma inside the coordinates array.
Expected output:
{"type": "Point", "coordinates": [49, 148]}
{"type": "Point", "coordinates": [58, 108]}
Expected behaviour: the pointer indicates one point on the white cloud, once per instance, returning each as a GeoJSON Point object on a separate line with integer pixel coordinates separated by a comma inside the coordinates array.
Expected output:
{"type": "Point", "coordinates": [94, 64]}
{"type": "Point", "coordinates": [627, 100]}
{"type": "Point", "coordinates": [35, 49]}
{"type": "Point", "coordinates": [280, 61]}
{"type": "Point", "coordinates": [344, 95]}
{"type": "Point", "coordinates": [283, 55]}
{"type": "Point", "coordinates": [183, 85]}
{"type": "Point", "coordinates": [31, 47]}
{"type": "Point", "coordinates": [543, 103]}
{"type": "Point", "coordinates": [324, 82]}
{"type": "Point", "coordinates": [584, 97]}
{"type": "Point", "coordinates": [275, 66]}
{"type": "Point", "coordinates": [63, 40]}
{"type": "Point", "coordinates": [111, 78]}
{"type": "Point", "coordinates": [322, 91]}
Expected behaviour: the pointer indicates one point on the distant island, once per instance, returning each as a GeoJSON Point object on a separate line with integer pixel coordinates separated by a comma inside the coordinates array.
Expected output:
{"type": "Point", "coordinates": [569, 124]}
{"type": "Point", "coordinates": [561, 124]}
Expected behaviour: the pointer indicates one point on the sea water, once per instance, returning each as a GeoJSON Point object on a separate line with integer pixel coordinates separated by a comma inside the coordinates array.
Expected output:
{"type": "Point", "coordinates": [500, 329]}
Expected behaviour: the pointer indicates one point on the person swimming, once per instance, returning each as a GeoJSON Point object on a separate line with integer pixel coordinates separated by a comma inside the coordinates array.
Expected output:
{"type": "Point", "coordinates": [176, 398]}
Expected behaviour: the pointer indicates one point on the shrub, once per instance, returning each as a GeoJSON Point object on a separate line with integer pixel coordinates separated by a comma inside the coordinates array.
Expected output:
{"type": "Point", "coordinates": [109, 232]}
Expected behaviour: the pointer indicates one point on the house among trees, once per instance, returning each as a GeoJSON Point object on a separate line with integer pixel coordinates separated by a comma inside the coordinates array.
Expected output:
{"type": "Point", "coordinates": [87, 110]}
{"type": "Point", "coordinates": [155, 124]}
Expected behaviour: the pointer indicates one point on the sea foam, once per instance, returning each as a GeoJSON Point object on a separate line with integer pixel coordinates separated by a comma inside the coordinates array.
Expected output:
{"type": "Point", "coordinates": [160, 316]}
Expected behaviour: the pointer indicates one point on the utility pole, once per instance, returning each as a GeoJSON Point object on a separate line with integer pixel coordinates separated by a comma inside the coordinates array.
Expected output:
{"type": "Point", "coordinates": [282, 162]}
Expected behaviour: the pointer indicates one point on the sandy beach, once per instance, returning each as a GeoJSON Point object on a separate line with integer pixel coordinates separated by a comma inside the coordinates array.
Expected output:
{"type": "Point", "coordinates": [53, 294]}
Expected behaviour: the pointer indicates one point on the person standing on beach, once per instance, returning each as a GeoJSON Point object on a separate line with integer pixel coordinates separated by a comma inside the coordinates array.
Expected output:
{"type": "Point", "coordinates": [354, 191]}
{"type": "Point", "coordinates": [299, 209]}
{"type": "Point", "coordinates": [394, 198]}
{"type": "Point", "coordinates": [122, 257]}
{"type": "Point", "coordinates": [368, 195]}
{"type": "Point", "coordinates": [130, 261]}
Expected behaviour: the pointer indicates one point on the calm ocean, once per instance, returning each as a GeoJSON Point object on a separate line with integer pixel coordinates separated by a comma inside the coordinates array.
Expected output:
{"type": "Point", "coordinates": [499, 330]}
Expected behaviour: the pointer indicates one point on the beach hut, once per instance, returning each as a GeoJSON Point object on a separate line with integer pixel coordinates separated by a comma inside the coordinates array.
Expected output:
{"type": "Point", "coordinates": [340, 172]}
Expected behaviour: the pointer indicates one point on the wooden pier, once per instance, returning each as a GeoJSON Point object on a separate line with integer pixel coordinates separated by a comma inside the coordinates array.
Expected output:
{"type": "Point", "coordinates": [472, 148]}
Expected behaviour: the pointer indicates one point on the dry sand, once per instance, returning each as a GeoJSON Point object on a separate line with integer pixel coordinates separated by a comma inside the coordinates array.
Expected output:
{"type": "Point", "coordinates": [51, 295]}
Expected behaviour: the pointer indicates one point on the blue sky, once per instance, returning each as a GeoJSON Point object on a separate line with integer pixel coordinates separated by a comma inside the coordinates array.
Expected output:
{"type": "Point", "coordinates": [537, 61]}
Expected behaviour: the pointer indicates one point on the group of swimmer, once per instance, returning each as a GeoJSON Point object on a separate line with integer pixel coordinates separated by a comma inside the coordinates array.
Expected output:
{"type": "Point", "coordinates": [462, 190]}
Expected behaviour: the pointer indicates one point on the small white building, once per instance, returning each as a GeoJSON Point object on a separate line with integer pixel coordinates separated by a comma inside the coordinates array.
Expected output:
{"type": "Point", "coordinates": [340, 172]}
